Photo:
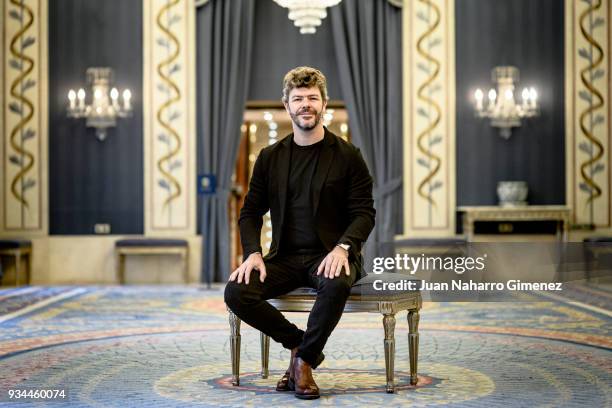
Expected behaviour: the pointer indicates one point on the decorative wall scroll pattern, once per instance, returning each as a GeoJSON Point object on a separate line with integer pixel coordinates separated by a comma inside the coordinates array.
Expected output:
{"type": "Point", "coordinates": [169, 111]}
{"type": "Point", "coordinates": [588, 130]}
{"type": "Point", "coordinates": [21, 125]}
{"type": "Point", "coordinates": [168, 120]}
{"type": "Point", "coordinates": [427, 108]}
{"type": "Point", "coordinates": [429, 135]}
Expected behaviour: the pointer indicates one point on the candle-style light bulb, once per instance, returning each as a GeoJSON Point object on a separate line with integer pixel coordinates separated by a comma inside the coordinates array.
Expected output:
{"type": "Point", "coordinates": [81, 96]}
{"type": "Point", "coordinates": [525, 96]}
{"type": "Point", "coordinates": [114, 94]}
{"type": "Point", "coordinates": [478, 95]}
{"type": "Point", "coordinates": [492, 96]}
{"type": "Point", "coordinates": [533, 96]}
{"type": "Point", "coordinates": [72, 99]}
{"type": "Point", "coordinates": [127, 95]}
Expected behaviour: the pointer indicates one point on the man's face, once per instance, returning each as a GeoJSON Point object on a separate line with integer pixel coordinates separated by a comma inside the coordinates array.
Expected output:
{"type": "Point", "coordinates": [305, 106]}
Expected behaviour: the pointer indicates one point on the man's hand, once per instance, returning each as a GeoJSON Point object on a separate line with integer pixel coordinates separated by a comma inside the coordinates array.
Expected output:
{"type": "Point", "coordinates": [333, 263]}
{"type": "Point", "coordinates": [254, 261]}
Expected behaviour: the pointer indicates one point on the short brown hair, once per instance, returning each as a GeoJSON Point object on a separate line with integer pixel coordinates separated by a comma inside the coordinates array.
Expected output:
{"type": "Point", "coordinates": [304, 77]}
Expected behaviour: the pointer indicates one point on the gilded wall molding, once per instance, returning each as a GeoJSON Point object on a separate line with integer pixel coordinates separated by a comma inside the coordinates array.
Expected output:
{"type": "Point", "coordinates": [429, 112]}
{"type": "Point", "coordinates": [169, 101]}
{"type": "Point", "coordinates": [24, 117]}
{"type": "Point", "coordinates": [588, 127]}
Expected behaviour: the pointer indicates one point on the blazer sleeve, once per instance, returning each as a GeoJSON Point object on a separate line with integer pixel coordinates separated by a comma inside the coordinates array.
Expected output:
{"type": "Point", "coordinates": [255, 206]}
{"type": "Point", "coordinates": [360, 205]}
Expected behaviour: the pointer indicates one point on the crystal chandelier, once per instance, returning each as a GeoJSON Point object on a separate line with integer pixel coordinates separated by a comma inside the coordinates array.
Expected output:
{"type": "Point", "coordinates": [502, 109]}
{"type": "Point", "coordinates": [307, 14]}
{"type": "Point", "coordinates": [104, 109]}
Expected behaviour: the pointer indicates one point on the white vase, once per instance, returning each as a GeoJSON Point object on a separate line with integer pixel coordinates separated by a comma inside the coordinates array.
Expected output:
{"type": "Point", "coordinates": [512, 193]}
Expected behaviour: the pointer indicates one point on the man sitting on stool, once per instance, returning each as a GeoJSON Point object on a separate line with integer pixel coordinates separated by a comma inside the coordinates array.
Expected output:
{"type": "Point", "coordinates": [318, 190]}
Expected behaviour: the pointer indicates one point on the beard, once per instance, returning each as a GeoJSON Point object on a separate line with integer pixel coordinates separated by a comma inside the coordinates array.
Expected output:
{"type": "Point", "coordinates": [304, 124]}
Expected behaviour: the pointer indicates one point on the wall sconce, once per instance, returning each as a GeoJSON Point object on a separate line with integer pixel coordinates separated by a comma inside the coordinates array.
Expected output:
{"type": "Point", "coordinates": [502, 109]}
{"type": "Point", "coordinates": [104, 108]}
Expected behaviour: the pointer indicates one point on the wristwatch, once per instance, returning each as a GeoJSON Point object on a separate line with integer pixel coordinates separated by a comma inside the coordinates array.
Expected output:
{"type": "Point", "coordinates": [346, 247]}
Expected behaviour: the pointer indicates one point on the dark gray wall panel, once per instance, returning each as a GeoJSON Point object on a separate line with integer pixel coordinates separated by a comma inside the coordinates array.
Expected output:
{"type": "Point", "coordinates": [278, 47]}
{"type": "Point", "coordinates": [92, 182]}
{"type": "Point", "coordinates": [529, 35]}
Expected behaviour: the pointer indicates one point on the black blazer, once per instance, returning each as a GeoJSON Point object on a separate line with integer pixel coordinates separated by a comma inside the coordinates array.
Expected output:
{"type": "Point", "coordinates": [341, 194]}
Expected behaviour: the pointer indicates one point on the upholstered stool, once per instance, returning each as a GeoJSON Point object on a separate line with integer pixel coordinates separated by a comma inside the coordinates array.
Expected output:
{"type": "Point", "coordinates": [151, 246]}
{"type": "Point", "coordinates": [18, 248]}
{"type": "Point", "coordinates": [363, 298]}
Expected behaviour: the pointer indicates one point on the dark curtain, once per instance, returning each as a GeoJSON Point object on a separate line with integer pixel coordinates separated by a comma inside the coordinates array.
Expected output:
{"type": "Point", "coordinates": [224, 33]}
{"type": "Point", "coordinates": [367, 37]}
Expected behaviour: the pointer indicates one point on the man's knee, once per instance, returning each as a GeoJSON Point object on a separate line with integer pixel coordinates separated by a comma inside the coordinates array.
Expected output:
{"type": "Point", "coordinates": [336, 287]}
{"type": "Point", "coordinates": [236, 295]}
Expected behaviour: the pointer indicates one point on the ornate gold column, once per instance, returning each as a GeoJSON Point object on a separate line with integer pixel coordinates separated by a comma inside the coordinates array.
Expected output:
{"type": "Point", "coordinates": [588, 133]}
{"type": "Point", "coordinates": [24, 132]}
{"type": "Point", "coordinates": [429, 117]}
{"type": "Point", "coordinates": [169, 116]}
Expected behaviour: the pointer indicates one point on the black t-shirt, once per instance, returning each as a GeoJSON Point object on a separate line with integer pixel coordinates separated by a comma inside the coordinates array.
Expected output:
{"type": "Point", "coordinates": [299, 233]}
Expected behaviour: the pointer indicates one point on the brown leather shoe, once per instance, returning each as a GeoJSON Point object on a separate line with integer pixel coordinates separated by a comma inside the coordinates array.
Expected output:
{"type": "Point", "coordinates": [305, 386]}
{"type": "Point", "coordinates": [283, 384]}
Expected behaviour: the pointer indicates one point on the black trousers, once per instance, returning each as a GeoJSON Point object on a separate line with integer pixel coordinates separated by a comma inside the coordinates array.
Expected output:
{"type": "Point", "coordinates": [284, 274]}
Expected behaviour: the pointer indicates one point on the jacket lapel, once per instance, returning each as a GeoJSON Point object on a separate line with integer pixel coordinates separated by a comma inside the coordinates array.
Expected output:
{"type": "Point", "coordinates": [325, 160]}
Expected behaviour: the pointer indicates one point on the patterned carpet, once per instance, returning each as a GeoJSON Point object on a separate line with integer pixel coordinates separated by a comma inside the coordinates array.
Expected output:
{"type": "Point", "coordinates": [168, 346]}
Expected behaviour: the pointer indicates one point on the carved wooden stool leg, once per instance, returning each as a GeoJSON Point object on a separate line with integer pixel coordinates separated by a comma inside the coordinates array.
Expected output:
{"type": "Point", "coordinates": [413, 344]}
{"type": "Point", "coordinates": [234, 322]}
{"type": "Point", "coordinates": [389, 325]}
{"type": "Point", "coordinates": [265, 354]}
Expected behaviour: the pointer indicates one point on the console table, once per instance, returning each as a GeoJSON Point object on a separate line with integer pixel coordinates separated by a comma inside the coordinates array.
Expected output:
{"type": "Point", "coordinates": [559, 213]}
